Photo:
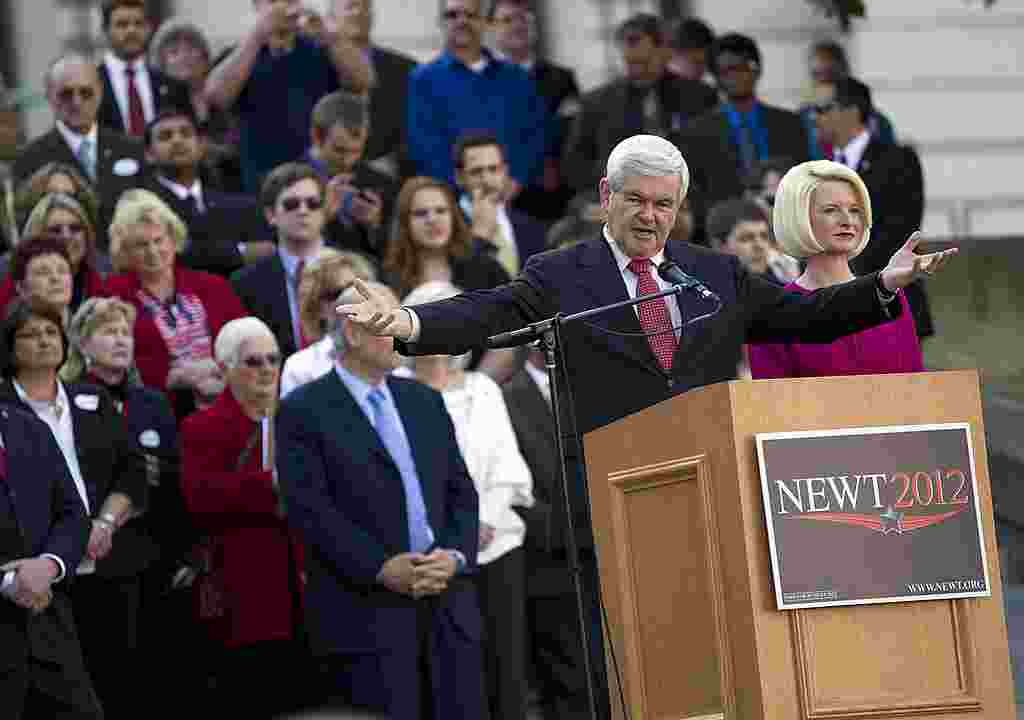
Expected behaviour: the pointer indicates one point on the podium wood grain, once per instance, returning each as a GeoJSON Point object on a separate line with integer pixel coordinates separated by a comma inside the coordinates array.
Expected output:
{"type": "Point", "coordinates": [686, 575]}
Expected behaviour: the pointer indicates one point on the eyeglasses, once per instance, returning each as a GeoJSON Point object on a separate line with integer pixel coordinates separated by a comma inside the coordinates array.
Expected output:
{"type": "Point", "coordinates": [258, 362]}
{"type": "Point", "coordinates": [826, 107]}
{"type": "Point", "coordinates": [292, 204]}
{"type": "Point", "coordinates": [450, 15]}
{"type": "Point", "coordinates": [83, 93]}
{"type": "Point", "coordinates": [66, 228]}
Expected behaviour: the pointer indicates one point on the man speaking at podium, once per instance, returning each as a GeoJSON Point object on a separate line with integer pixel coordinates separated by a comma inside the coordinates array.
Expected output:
{"type": "Point", "coordinates": [630, 358]}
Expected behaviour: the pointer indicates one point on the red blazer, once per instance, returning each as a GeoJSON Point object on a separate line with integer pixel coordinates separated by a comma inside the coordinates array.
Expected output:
{"type": "Point", "coordinates": [151, 355]}
{"type": "Point", "coordinates": [255, 560]}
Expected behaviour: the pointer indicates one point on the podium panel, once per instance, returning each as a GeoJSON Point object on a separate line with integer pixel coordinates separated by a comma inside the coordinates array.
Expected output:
{"type": "Point", "coordinates": [686, 571]}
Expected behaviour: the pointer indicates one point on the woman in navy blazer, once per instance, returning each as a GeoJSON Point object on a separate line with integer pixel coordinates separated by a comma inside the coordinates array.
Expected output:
{"type": "Point", "coordinates": [110, 476]}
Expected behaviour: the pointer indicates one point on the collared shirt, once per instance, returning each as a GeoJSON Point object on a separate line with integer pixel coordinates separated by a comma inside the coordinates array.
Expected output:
{"type": "Point", "coordinates": [853, 151]}
{"type": "Point", "coordinates": [75, 140]}
{"type": "Point", "coordinates": [291, 265]}
{"type": "Point", "coordinates": [63, 431]}
{"type": "Point", "coordinates": [184, 193]}
{"type": "Point", "coordinates": [503, 222]}
{"type": "Point", "coordinates": [540, 378]}
{"type": "Point", "coordinates": [526, 65]}
{"type": "Point", "coordinates": [119, 82]}
{"type": "Point", "coordinates": [360, 390]}
{"type": "Point", "coordinates": [631, 280]}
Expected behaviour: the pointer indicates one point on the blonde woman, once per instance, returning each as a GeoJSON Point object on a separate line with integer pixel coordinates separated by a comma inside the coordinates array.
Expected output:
{"type": "Point", "coordinates": [322, 281]}
{"type": "Point", "coordinates": [823, 214]}
{"type": "Point", "coordinates": [180, 311]}
{"type": "Point", "coordinates": [63, 218]}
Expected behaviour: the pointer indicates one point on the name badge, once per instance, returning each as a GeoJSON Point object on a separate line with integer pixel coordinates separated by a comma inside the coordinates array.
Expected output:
{"type": "Point", "coordinates": [149, 439]}
{"type": "Point", "coordinates": [89, 403]}
{"type": "Point", "coordinates": [126, 167]}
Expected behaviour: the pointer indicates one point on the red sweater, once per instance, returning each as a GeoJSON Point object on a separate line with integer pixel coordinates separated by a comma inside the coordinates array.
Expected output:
{"type": "Point", "coordinates": [151, 354]}
{"type": "Point", "coordinates": [256, 561]}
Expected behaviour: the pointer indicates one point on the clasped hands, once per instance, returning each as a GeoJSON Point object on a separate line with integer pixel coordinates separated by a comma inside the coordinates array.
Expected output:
{"type": "Point", "coordinates": [418, 575]}
{"type": "Point", "coordinates": [33, 577]}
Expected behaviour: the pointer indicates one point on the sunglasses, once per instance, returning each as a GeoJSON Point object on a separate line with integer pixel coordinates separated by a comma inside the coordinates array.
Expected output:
{"type": "Point", "coordinates": [69, 228]}
{"type": "Point", "coordinates": [456, 14]}
{"type": "Point", "coordinates": [83, 93]}
{"type": "Point", "coordinates": [258, 362]}
{"type": "Point", "coordinates": [292, 204]}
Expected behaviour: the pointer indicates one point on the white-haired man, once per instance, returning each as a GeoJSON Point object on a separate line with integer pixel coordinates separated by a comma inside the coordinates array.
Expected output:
{"type": "Point", "coordinates": [645, 183]}
{"type": "Point", "coordinates": [379, 492]}
{"type": "Point", "coordinates": [252, 595]}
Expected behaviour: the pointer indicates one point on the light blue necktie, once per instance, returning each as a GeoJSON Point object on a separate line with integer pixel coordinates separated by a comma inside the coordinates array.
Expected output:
{"type": "Point", "coordinates": [387, 424]}
{"type": "Point", "coordinates": [87, 156]}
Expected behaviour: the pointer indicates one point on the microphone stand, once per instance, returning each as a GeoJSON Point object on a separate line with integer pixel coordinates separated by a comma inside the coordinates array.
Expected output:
{"type": "Point", "coordinates": [549, 332]}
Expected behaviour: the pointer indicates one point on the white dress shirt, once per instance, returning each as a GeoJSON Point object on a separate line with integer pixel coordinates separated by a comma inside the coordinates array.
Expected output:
{"type": "Point", "coordinates": [488, 444]}
{"type": "Point", "coordinates": [119, 82]}
{"type": "Point", "coordinates": [853, 151]}
{"type": "Point", "coordinates": [628, 278]}
{"type": "Point", "coordinates": [183, 193]}
{"type": "Point", "coordinates": [307, 365]}
{"type": "Point", "coordinates": [63, 430]}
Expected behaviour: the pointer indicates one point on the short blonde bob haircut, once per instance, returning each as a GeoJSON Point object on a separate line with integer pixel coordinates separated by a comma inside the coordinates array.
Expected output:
{"type": "Point", "coordinates": [791, 216]}
{"type": "Point", "coordinates": [94, 313]}
{"type": "Point", "coordinates": [141, 206]}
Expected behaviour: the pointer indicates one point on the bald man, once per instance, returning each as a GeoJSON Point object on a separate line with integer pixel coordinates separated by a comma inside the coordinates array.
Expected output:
{"type": "Point", "coordinates": [112, 161]}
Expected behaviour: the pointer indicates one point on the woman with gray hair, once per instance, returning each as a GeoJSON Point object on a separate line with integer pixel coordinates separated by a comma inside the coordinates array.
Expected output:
{"type": "Point", "coordinates": [249, 593]}
{"type": "Point", "coordinates": [483, 430]}
{"type": "Point", "coordinates": [823, 213]}
{"type": "Point", "coordinates": [180, 311]}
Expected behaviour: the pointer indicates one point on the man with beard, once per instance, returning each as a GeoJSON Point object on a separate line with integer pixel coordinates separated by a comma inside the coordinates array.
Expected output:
{"type": "Point", "coordinates": [363, 195]}
{"type": "Point", "coordinates": [224, 229]}
{"type": "Point", "coordinates": [466, 89]}
{"type": "Point", "coordinates": [133, 91]}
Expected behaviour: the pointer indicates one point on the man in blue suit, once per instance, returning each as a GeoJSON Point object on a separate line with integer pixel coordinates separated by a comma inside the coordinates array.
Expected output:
{"type": "Point", "coordinates": [43, 534]}
{"type": "Point", "coordinates": [376, 486]}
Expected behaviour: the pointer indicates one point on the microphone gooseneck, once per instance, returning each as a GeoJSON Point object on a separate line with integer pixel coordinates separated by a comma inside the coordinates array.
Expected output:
{"type": "Point", "coordinates": [671, 272]}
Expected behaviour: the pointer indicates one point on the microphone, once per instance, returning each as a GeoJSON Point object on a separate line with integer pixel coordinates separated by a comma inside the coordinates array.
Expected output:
{"type": "Point", "coordinates": [672, 273]}
{"type": "Point", "coordinates": [514, 338]}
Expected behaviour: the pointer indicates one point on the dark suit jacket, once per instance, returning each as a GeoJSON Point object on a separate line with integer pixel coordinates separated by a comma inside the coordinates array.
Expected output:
{"type": "Point", "coordinates": [117, 154]}
{"type": "Point", "coordinates": [346, 498]}
{"type": "Point", "coordinates": [713, 159]}
{"type": "Point", "coordinates": [604, 121]}
{"type": "Point", "coordinates": [37, 489]}
{"type": "Point", "coordinates": [110, 463]}
{"type": "Point", "coordinates": [585, 276]}
{"type": "Point", "coordinates": [263, 289]}
{"type": "Point", "coordinates": [534, 425]}
{"type": "Point", "coordinates": [387, 104]}
{"type": "Point", "coordinates": [214, 235]}
{"type": "Point", "coordinates": [167, 92]}
{"type": "Point", "coordinates": [892, 174]}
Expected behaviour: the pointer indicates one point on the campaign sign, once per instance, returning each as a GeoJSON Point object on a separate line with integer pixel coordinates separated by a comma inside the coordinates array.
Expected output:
{"type": "Point", "coordinates": [871, 515]}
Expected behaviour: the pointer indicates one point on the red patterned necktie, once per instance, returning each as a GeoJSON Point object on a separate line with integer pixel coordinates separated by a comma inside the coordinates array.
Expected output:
{"type": "Point", "coordinates": [136, 117]}
{"type": "Point", "coordinates": [654, 317]}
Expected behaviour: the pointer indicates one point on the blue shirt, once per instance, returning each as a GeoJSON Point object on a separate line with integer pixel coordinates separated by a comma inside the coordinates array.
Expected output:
{"type": "Point", "coordinates": [447, 99]}
{"type": "Point", "coordinates": [752, 119]}
{"type": "Point", "coordinates": [276, 106]}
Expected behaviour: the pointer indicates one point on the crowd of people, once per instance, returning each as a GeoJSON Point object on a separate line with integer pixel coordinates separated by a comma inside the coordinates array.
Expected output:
{"type": "Point", "coordinates": [221, 493]}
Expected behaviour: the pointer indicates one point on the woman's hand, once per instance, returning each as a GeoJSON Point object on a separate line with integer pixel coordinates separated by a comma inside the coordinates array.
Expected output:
{"type": "Point", "coordinates": [101, 540]}
{"type": "Point", "coordinates": [906, 266]}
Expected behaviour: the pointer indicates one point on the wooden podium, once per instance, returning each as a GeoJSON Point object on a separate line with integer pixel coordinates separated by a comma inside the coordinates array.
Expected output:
{"type": "Point", "coordinates": [686, 577]}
